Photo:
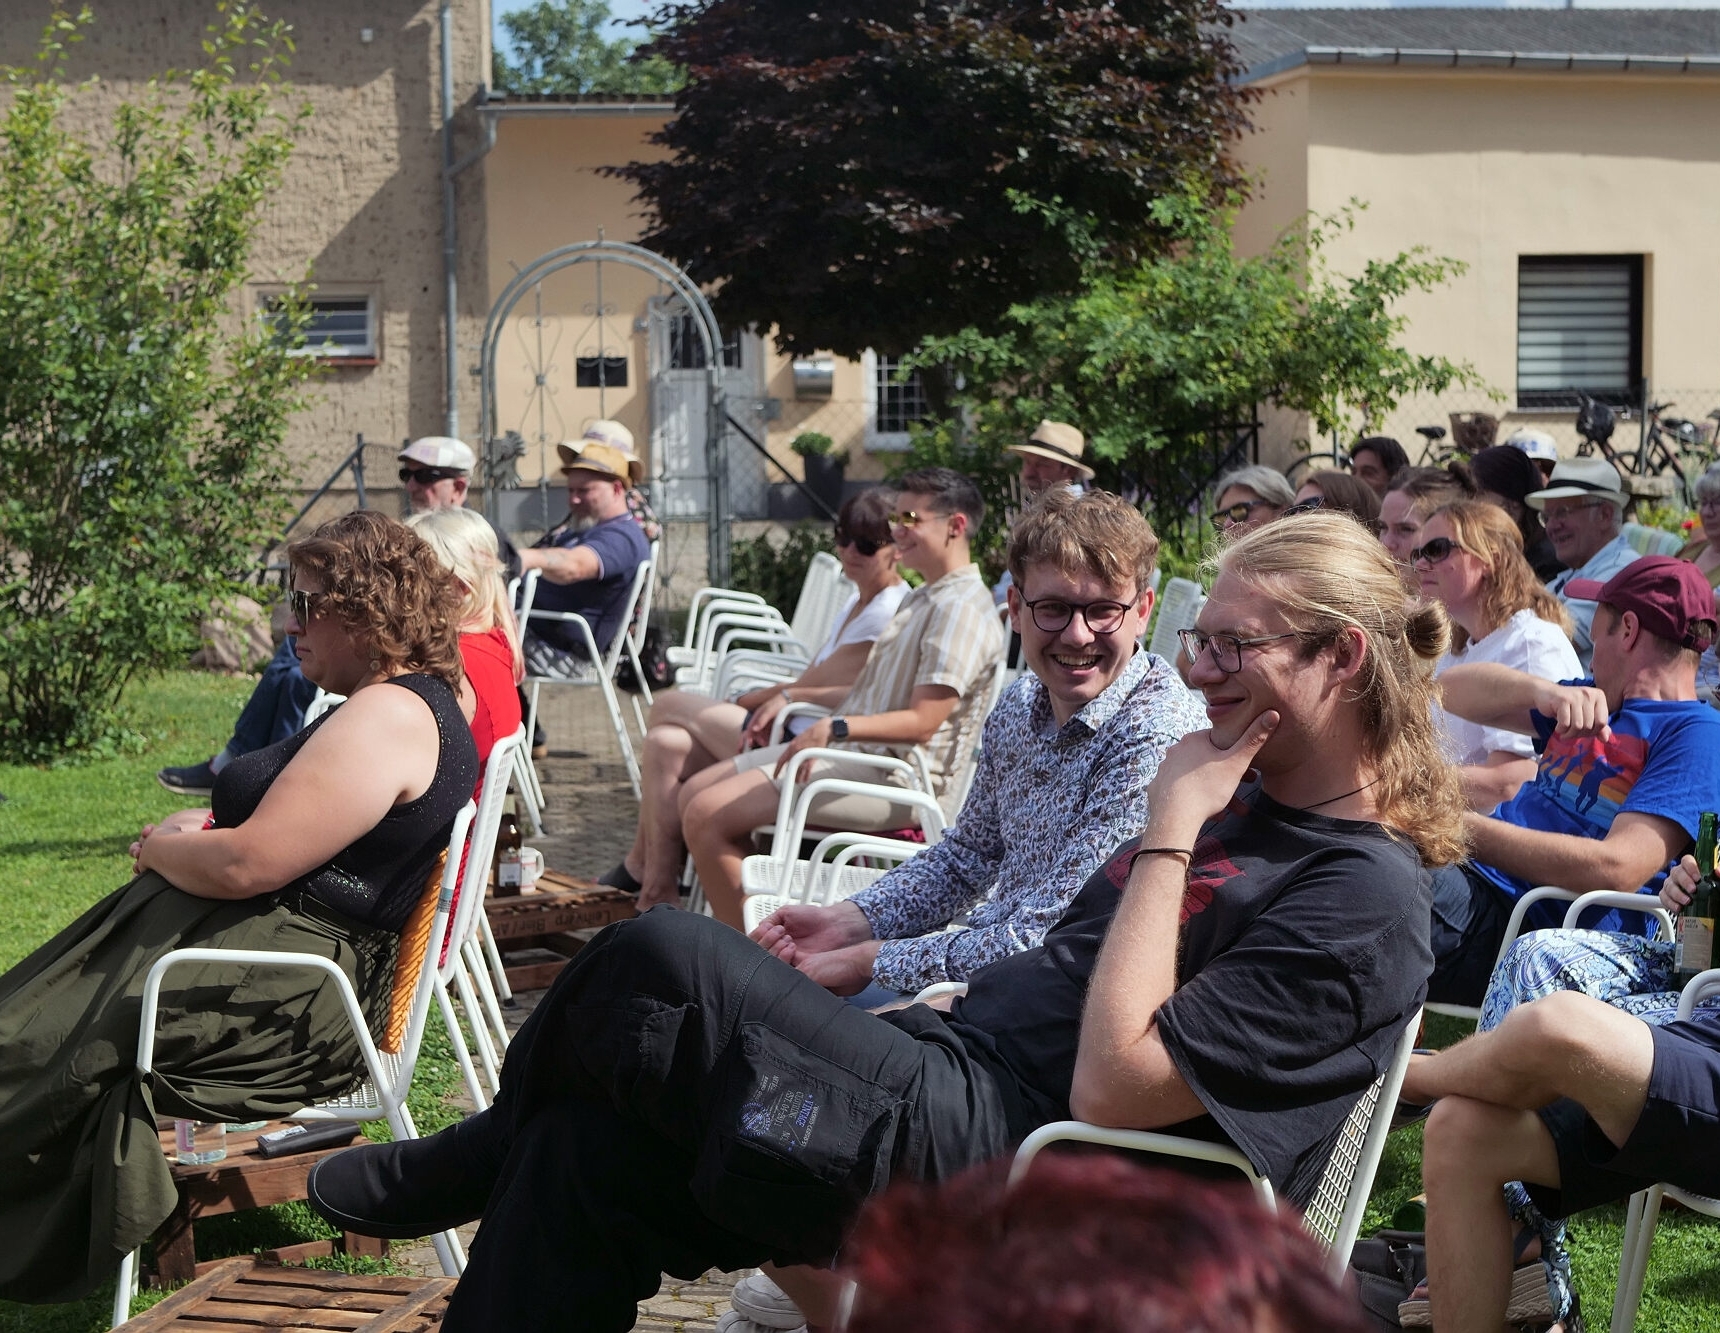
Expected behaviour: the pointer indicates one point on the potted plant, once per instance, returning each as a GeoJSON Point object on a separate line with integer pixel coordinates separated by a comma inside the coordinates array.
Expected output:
{"type": "Point", "coordinates": [825, 465]}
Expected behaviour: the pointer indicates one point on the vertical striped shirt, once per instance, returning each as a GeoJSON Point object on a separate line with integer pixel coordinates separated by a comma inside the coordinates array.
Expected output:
{"type": "Point", "coordinates": [946, 633]}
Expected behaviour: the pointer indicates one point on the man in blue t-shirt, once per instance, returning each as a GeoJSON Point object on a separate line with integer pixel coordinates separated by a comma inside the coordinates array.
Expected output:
{"type": "Point", "coordinates": [1628, 762]}
{"type": "Point", "coordinates": [586, 565]}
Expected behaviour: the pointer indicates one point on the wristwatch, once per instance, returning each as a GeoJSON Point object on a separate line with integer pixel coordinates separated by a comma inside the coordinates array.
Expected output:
{"type": "Point", "coordinates": [838, 728]}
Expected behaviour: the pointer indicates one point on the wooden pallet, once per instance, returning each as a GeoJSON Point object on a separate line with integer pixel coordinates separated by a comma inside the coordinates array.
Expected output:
{"type": "Point", "coordinates": [242, 1179]}
{"type": "Point", "coordinates": [245, 1295]}
{"type": "Point", "coordinates": [542, 925]}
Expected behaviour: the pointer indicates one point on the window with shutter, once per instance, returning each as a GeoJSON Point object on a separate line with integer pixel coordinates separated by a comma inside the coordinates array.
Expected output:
{"type": "Point", "coordinates": [1579, 329]}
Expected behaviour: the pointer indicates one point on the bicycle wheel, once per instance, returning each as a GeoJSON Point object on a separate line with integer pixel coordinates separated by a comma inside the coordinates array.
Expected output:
{"type": "Point", "coordinates": [1332, 457]}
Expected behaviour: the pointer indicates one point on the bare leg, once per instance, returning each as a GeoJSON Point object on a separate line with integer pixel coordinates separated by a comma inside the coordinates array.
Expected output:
{"type": "Point", "coordinates": [1484, 1132]}
{"type": "Point", "coordinates": [688, 734]}
{"type": "Point", "coordinates": [718, 824]}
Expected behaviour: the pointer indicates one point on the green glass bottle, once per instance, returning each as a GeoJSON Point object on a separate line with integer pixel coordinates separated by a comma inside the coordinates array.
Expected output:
{"type": "Point", "coordinates": [1695, 948]}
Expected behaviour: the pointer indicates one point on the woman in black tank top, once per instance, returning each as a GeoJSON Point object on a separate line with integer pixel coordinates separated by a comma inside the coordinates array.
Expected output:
{"type": "Point", "coordinates": [320, 844]}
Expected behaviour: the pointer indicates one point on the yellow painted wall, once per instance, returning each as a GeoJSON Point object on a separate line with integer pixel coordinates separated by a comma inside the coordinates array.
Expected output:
{"type": "Point", "coordinates": [1485, 166]}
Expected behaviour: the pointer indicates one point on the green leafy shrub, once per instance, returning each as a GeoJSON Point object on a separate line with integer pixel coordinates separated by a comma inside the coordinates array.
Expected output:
{"type": "Point", "coordinates": [140, 423]}
{"type": "Point", "coordinates": [775, 572]}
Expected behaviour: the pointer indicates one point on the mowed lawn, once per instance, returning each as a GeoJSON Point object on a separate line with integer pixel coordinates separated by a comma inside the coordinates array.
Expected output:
{"type": "Point", "coordinates": [63, 835]}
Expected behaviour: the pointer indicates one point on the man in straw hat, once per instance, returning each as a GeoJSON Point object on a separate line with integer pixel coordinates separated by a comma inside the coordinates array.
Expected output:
{"type": "Point", "coordinates": [1052, 456]}
{"type": "Point", "coordinates": [1583, 508]}
{"type": "Point", "coordinates": [587, 563]}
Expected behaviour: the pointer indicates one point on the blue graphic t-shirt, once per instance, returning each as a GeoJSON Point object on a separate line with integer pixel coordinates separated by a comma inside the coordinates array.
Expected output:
{"type": "Point", "coordinates": [1663, 758]}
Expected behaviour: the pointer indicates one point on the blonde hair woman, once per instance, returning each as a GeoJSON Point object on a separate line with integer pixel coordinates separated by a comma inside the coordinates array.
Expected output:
{"type": "Point", "coordinates": [1471, 558]}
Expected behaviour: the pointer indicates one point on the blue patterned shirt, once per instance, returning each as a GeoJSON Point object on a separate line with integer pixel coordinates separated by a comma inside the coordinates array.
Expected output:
{"type": "Point", "coordinates": [1047, 805]}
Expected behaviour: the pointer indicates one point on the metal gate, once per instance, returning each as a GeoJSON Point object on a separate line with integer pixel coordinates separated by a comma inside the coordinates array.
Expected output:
{"type": "Point", "coordinates": [700, 417]}
{"type": "Point", "coordinates": [679, 419]}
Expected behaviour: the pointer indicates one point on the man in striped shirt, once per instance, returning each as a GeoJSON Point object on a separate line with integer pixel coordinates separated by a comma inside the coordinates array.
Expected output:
{"type": "Point", "coordinates": [926, 683]}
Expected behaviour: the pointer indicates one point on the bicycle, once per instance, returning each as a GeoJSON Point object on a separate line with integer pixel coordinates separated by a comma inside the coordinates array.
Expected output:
{"type": "Point", "coordinates": [1670, 442]}
{"type": "Point", "coordinates": [1434, 453]}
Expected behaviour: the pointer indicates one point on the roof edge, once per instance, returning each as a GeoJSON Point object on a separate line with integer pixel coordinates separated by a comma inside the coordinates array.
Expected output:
{"type": "Point", "coordinates": [1458, 58]}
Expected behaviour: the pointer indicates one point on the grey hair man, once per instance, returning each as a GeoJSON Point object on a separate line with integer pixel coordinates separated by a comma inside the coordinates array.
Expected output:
{"type": "Point", "coordinates": [1583, 508]}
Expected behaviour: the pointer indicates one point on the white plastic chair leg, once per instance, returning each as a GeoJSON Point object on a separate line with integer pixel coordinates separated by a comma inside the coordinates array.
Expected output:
{"type": "Point", "coordinates": [486, 1052]}
{"type": "Point", "coordinates": [449, 1253]}
{"type": "Point", "coordinates": [125, 1289]}
{"type": "Point", "coordinates": [498, 972]}
{"type": "Point", "coordinates": [462, 1054]}
{"type": "Point", "coordinates": [478, 970]}
{"type": "Point", "coordinates": [1641, 1215]}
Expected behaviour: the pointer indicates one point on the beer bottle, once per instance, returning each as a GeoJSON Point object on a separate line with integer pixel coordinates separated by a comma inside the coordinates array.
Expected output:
{"type": "Point", "coordinates": [507, 865]}
{"type": "Point", "coordinates": [1695, 948]}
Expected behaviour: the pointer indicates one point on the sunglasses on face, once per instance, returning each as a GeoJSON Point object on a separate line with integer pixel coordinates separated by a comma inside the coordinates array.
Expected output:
{"type": "Point", "coordinates": [299, 603]}
{"type": "Point", "coordinates": [912, 518]}
{"type": "Point", "coordinates": [1307, 506]}
{"type": "Point", "coordinates": [1226, 649]}
{"type": "Point", "coordinates": [1440, 548]}
{"type": "Point", "coordinates": [426, 476]}
{"type": "Point", "coordinates": [864, 545]}
{"type": "Point", "coordinates": [1237, 513]}
{"type": "Point", "coordinates": [1053, 614]}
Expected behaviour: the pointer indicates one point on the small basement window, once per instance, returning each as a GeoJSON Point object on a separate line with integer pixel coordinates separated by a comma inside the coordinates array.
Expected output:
{"type": "Point", "coordinates": [340, 327]}
{"type": "Point", "coordinates": [1579, 329]}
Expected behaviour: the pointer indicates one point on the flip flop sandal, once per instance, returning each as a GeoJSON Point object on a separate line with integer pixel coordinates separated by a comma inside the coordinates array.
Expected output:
{"type": "Point", "coordinates": [1531, 1300]}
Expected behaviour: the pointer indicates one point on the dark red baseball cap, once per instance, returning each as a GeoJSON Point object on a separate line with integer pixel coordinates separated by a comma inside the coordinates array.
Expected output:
{"type": "Point", "coordinates": [1671, 598]}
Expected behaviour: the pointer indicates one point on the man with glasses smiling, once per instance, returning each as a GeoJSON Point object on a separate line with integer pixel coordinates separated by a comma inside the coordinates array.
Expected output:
{"type": "Point", "coordinates": [1583, 508]}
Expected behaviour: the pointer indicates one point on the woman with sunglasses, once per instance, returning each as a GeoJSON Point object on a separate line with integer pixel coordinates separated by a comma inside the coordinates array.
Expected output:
{"type": "Point", "coordinates": [1471, 559]}
{"type": "Point", "coordinates": [1245, 498]}
{"type": "Point", "coordinates": [319, 844]}
{"type": "Point", "coordinates": [1338, 493]}
{"type": "Point", "coordinates": [688, 733]}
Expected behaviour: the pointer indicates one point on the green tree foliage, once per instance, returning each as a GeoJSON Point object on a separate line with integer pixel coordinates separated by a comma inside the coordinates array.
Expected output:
{"type": "Point", "coordinates": [562, 49]}
{"type": "Point", "coordinates": [843, 171]}
{"type": "Point", "coordinates": [140, 417]}
{"type": "Point", "coordinates": [775, 572]}
{"type": "Point", "coordinates": [1153, 360]}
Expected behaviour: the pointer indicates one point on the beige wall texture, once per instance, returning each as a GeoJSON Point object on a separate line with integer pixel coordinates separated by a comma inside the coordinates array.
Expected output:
{"type": "Point", "coordinates": [361, 205]}
{"type": "Point", "coordinates": [545, 188]}
{"type": "Point", "coordinates": [1486, 166]}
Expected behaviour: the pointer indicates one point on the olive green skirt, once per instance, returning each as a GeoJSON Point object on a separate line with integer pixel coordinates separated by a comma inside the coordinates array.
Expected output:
{"type": "Point", "coordinates": [82, 1176]}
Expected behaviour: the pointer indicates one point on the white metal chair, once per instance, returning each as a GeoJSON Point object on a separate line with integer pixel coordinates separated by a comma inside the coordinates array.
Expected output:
{"type": "Point", "coordinates": [828, 875]}
{"type": "Point", "coordinates": [1334, 1216]}
{"type": "Point", "coordinates": [721, 621]}
{"type": "Point", "coordinates": [603, 672]}
{"type": "Point", "coordinates": [1178, 608]}
{"type": "Point", "coordinates": [463, 965]}
{"type": "Point", "coordinates": [1647, 904]}
{"type": "Point", "coordinates": [1642, 1213]}
{"type": "Point", "coordinates": [382, 1095]}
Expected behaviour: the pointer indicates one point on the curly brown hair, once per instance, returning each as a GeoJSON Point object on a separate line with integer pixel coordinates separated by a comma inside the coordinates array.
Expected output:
{"type": "Point", "coordinates": [1093, 533]}
{"type": "Point", "coordinates": [387, 588]}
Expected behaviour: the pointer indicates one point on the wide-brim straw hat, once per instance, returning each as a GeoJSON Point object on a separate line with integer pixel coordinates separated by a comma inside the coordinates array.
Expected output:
{"type": "Point", "coordinates": [1060, 443]}
{"type": "Point", "coordinates": [1581, 476]}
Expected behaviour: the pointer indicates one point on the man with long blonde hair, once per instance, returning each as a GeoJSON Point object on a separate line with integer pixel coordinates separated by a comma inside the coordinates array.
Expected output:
{"type": "Point", "coordinates": [1240, 972]}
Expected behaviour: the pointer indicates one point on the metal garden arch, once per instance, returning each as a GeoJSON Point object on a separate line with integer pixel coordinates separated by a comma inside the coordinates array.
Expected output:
{"type": "Point", "coordinates": [711, 338]}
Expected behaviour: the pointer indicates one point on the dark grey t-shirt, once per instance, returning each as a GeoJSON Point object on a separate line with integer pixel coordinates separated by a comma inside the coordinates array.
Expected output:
{"type": "Point", "coordinates": [1304, 951]}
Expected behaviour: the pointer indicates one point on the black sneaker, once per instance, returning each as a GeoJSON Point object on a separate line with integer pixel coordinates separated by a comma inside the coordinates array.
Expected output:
{"type": "Point", "coordinates": [192, 780]}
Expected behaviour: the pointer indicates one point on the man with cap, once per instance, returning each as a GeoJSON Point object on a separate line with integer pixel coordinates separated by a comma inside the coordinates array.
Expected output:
{"type": "Point", "coordinates": [1629, 760]}
{"type": "Point", "coordinates": [1583, 508]}
{"type": "Point", "coordinates": [436, 471]}
{"type": "Point", "coordinates": [1541, 448]}
{"type": "Point", "coordinates": [586, 563]}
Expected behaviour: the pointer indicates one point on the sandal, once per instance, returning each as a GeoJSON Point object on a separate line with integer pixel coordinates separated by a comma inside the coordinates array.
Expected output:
{"type": "Point", "coordinates": [1531, 1300]}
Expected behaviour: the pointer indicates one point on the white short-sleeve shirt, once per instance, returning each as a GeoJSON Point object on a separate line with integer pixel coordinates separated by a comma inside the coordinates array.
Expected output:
{"type": "Point", "coordinates": [1527, 643]}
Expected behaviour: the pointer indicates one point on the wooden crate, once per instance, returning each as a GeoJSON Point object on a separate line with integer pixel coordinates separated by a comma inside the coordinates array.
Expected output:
{"type": "Point", "coordinates": [243, 1179]}
{"type": "Point", "coordinates": [242, 1295]}
{"type": "Point", "coordinates": [542, 925]}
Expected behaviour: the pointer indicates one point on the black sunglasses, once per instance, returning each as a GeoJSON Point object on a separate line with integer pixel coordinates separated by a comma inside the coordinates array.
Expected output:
{"type": "Point", "coordinates": [299, 603]}
{"type": "Point", "coordinates": [1440, 548]}
{"type": "Point", "coordinates": [864, 545]}
{"type": "Point", "coordinates": [1308, 506]}
{"type": "Point", "coordinates": [1236, 513]}
{"type": "Point", "coordinates": [428, 476]}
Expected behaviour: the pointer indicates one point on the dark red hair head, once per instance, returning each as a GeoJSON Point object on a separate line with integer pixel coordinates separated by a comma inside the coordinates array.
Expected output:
{"type": "Point", "coordinates": [1088, 1243]}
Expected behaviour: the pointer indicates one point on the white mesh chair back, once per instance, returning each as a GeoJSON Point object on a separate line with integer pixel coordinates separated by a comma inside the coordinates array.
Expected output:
{"type": "Point", "coordinates": [1177, 609]}
{"type": "Point", "coordinates": [320, 703]}
{"type": "Point", "coordinates": [822, 593]}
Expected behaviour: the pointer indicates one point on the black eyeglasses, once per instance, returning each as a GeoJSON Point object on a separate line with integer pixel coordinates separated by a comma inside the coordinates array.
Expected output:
{"type": "Point", "coordinates": [864, 545]}
{"type": "Point", "coordinates": [1440, 548]}
{"type": "Point", "coordinates": [1236, 513]}
{"type": "Point", "coordinates": [299, 603]}
{"type": "Point", "coordinates": [1307, 506]}
{"type": "Point", "coordinates": [427, 476]}
{"type": "Point", "coordinates": [1226, 649]}
{"type": "Point", "coordinates": [1052, 614]}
